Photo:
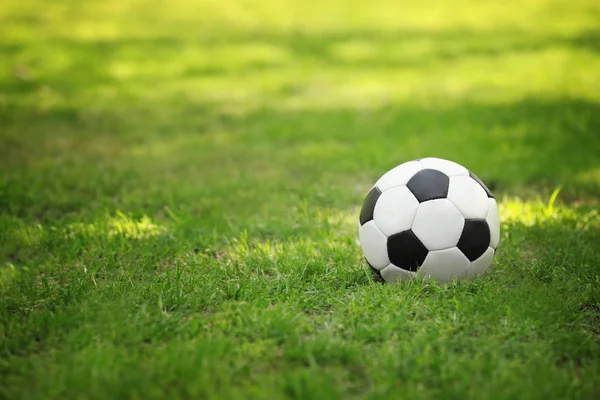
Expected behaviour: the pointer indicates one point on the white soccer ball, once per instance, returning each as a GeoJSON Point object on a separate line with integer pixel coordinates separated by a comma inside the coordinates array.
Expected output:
{"type": "Point", "coordinates": [429, 217]}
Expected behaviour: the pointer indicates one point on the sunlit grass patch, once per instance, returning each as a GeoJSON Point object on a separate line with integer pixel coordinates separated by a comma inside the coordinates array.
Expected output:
{"type": "Point", "coordinates": [118, 225]}
{"type": "Point", "coordinates": [8, 272]}
{"type": "Point", "coordinates": [542, 212]}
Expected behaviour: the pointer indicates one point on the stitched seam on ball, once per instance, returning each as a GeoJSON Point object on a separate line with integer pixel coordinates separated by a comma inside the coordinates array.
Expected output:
{"type": "Point", "coordinates": [379, 230]}
{"type": "Point", "coordinates": [400, 268]}
{"type": "Point", "coordinates": [471, 262]}
{"type": "Point", "coordinates": [488, 222]}
{"type": "Point", "coordinates": [386, 238]}
{"type": "Point", "coordinates": [413, 222]}
{"type": "Point", "coordinates": [379, 270]}
{"type": "Point", "coordinates": [463, 227]}
{"type": "Point", "coordinates": [447, 248]}
{"type": "Point", "coordinates": [386, 267]}
{"type": "Point", "coordinates": [489, 208]}
{"type": "Point", "coordinates": [403, 184]}
{"type": "Point", "coordinates": [437, 198]}
{"type": "Point", "coordinates": [418, 238]}
{"type": "Point", "coordinates": [415, 217]}
{"type": "Point", "coordinates": [392, 187]}
{"type": "Point", "coordinates": [461, 214]}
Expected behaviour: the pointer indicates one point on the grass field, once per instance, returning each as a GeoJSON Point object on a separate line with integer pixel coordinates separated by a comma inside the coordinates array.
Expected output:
{"type": "Point", "coordinates": [180, 184]}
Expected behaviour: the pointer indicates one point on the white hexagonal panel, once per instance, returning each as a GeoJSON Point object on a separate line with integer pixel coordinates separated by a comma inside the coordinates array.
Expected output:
{"type": "Point", "coordinates": [438, 224]}
{"type": "Point", "coordinates": [392, 274]}
{"type": "Point", "coordinates": [493, 220]}
{"type": "Point", "coordinates": [395, 210]}
{"type": "Point", "coordinates": [448, 167]}
{"type": "Point", "coordinates": [399, 175]}
{"type": "Point", "coordinates": [445, 265]}
{"type": "Point", "coordinates": [468, 196]}
{"type": "Point", "coordinates": [374, 245]}
{"type": "Point", "coordinates": [482, 264]}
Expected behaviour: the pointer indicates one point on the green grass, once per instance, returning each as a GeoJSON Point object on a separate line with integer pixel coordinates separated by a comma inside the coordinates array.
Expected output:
{"type": "Point", "coordinates": [180, 183]}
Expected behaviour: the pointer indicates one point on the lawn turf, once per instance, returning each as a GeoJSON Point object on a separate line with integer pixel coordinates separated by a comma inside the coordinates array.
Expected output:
{"type": "Point", "coordinates": [180, 183]}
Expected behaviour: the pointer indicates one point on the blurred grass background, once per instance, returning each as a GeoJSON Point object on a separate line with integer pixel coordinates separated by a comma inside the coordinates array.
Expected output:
{"type": "Point", "coordinates": [252, 96]}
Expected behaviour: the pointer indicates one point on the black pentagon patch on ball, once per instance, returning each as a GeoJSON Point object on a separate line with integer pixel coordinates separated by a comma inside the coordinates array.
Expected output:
{"type": "Point", "coordinates": [476, 178]}
{"type": "Point", "coordinates": [406, 251]}
{"type": "Point", "coordinates": [366, 213]}
{"type": "Point", "coordinates": [475, 238]}
{"type": "Point", "coordinates": [429, 184]}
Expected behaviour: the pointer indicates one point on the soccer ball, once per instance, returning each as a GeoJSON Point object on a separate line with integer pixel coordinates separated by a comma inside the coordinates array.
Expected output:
{"type": "Point", "coordinates": [432, 218]}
